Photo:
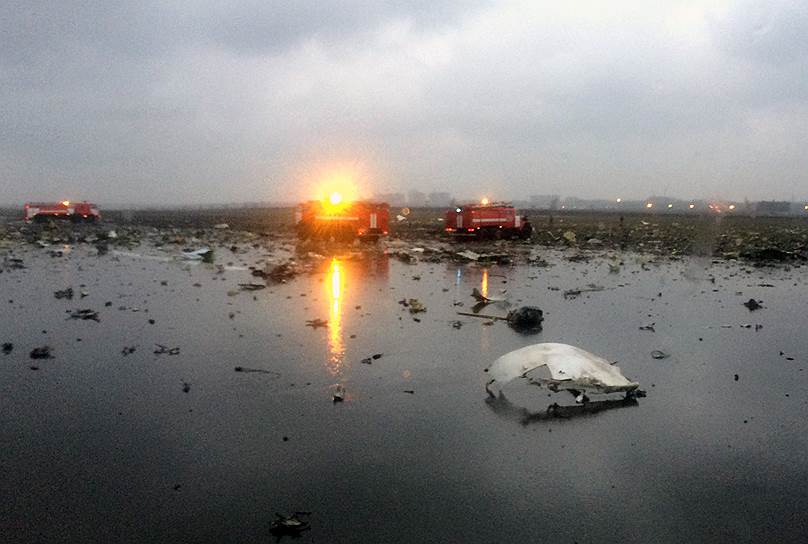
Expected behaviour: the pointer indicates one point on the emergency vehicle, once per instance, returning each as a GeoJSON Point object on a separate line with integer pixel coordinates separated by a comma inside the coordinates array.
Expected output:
{"type": "Point", "coordinates": [78, 212]}
{"type": "Point", "coordinates": [495, 220]}
{"type": "Point", "coordinates": [339, 220]}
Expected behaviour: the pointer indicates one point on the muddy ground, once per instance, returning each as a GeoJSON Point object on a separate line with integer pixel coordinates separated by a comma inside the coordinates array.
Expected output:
{"type": "Point", "coordinates": [190, 399]}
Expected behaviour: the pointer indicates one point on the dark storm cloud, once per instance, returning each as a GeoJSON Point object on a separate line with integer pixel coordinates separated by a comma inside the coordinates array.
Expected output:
{"type": "Point", "coordinates": [211, 101]}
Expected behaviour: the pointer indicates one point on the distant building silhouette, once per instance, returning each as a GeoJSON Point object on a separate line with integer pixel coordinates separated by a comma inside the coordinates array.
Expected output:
{"type": "Point", "coordinates": [440, 200]}
{"type": "Point", "coordinates": [416, 199]}
{"type": "Point", "coordinates": [545, 202]}
{"type": "Point", "coordinates": [394, 199]}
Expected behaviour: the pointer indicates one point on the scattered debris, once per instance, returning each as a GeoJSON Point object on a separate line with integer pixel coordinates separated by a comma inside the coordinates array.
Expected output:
{"type": "Point", "coordinates": [281, 273]}
{"type": "Point", "coordinates": [203, 254]}
{"type": "Point", "coordinates": [414, 305]}
{"type": "Point", "coordinates": [316, 323]}
{"type": "Point", "coordinates": [649, 328]}
{"type": "Point", "coordinates": [657, 354]}
{"type": "Point", "coordinates": [7, 348]}
{"type": "Point", "coordinates": [251, 286]}
{"type": "Point", "coordinates": [469, 255]}
{"type": "Point", "coordinates": [369, 360]}
{"type": "Point", "coordinates": [256, 370]}
{"type": "Point", "coordinates": [526, 319]}
{"type": "Point", "coordinates": [339, 394]}
{"type": "Point", "coordinates": [479, 297]}
{"type": "Point", "coordinates": [753, 305]}
{"type": "Point", "coordinates": [571, 369]}
{"type": "Point", "coordinates": [128, 350]}
{"type": "Point", "coordinates": [85, 314]}
{"type": "Point", "coordinates": [161, 349]}
{"type": "Point", "coordinates": [290, 525]}
{"type": "Point", "coordinates": [575, 293]}
{"type": "Point", "coordinates": [64, 293]}
{"type": "Point", "coordinates": [43, 352]}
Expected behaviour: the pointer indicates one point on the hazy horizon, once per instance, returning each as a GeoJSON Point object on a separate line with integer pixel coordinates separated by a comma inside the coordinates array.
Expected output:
{"type": "Point", "coordinates": [205, 103]}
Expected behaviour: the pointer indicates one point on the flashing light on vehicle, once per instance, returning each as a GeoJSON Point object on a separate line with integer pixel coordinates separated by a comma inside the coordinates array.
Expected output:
{"type": "Point", "coordinates": [484, 201]}
{"type": "Point", "coordinates": [65, 203]}
{"type": "Point", "coordinates": [670, 206]}
{"type": "Point", "coordinates": [732, 206]}
{"type": "Point", "coordinates": [458, 210]}
{"type": "Point", "coordinates": [691, 206]}
{"type": "Point", "coordinates": [619, 200]}
{"type": "Point", "coordinates": [806, 207]}
{"type": "Point", "coordinates": [649, 205]}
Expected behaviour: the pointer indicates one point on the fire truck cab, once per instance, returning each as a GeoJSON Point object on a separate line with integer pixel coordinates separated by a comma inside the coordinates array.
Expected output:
{"type": "Point", "coordinates": [77, 212]}
{"type": "Point", "coordinates": [495, 220]}
{"type": "Point", "coordinates": [342, 221]}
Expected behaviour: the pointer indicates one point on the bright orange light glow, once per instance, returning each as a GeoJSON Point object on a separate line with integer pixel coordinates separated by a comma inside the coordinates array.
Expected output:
{"type": "Point", "coordinates": [649, 205]}
{"type": "Point", "coordinates": [484, 201]}
{"type": "Point", "coordinates": [335, 199]}
{"type": "Point", "coordinates": [65, 203]}
{"type": "Point", "coordinates": [336, 348]}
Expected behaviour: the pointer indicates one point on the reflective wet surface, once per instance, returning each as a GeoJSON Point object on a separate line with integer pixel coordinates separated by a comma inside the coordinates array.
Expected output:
{"type": "Point", "coordinates": [99, 445]}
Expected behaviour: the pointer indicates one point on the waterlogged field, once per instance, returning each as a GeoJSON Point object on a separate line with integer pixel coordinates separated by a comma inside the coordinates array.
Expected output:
{"type": "Point", "coordinates": [194, 407]}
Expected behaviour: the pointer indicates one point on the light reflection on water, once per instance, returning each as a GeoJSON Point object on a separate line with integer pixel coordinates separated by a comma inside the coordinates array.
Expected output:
{"type": "Point", "coordinates": [336, 346]}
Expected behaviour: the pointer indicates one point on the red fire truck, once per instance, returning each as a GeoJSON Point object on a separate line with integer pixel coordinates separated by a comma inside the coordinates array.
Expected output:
{"type": "Point", "coordinates": [485, 220]}
{"type": "Point", "coordinates": [339, 220]}
{"type": "Point", "coordinates": [78, 212]}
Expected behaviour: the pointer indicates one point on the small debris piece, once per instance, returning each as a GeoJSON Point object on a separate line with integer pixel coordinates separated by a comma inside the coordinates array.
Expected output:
{"type": "Point", "coordinates": [649, 328]}
{"type": "Point", "coordinates": [339, 394]}
{"type": "Point", "coordinates": [736, 377]}
{"type": "Point", "coordinates": [251, 286]}
{"type": "Point", "coordinates": [409, 391]}
{"type": "Point", "coordinates": [7, 347]}
{"type": "Point", "coordinates": [160, 349]}
{"type": "Point", "coordinates": [526, 319]}
{"type": "Point", "coordinates": [415, 306]}
{"type": "Point", "coordinates": [85, 314]}
{"type": "Point", "coordinates": [128, 350]}
{"type": "Point", "coordinates": [657, 354]}
{"type": "Point", "coordinates": [457, 324]}
{"type": "Point", "coordinates": [290, 525]}
{"type": "Point", "coordinates": [281, 273]}
{"type": "Point", "coordinates": [43, 352]}
{"type": "Point", "coordinates": [316, 323]}
{"type": "Point", "coordinates": [752, 304]}
{"type": "Point", "coordinates": [186, 387]}
{"type": "Point", "coordinates": [64, 293]}
{"type": "Point", "coordinates": [256, 370]}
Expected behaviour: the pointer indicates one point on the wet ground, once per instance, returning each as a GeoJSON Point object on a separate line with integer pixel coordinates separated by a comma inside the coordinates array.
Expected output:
{"type": "Point", "coordinates": [102, 443]}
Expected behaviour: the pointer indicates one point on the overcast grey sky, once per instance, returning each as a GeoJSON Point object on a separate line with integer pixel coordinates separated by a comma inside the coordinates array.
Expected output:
{"type": "Point", "coordinates": [155, 102]}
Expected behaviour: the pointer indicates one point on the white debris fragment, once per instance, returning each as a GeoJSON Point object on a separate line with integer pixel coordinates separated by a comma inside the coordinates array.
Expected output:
{"type": "Point", "coordinates": [468, 254]}
{"type": "Point", "coordinates": [196, 255]}
{"type": "Point", "coordinates": [569, 367]}
{"type": "Point", "coordinates": [221, 226]}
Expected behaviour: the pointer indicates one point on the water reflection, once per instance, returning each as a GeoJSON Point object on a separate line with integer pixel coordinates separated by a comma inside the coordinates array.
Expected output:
{"type": "Point", "coordinates": [484, 283]}
{"type": "Point", "coordinates": [336, 287]}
